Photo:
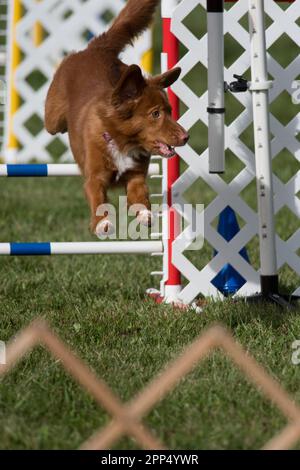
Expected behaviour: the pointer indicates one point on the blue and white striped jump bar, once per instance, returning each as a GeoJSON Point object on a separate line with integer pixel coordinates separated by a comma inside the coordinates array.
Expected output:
{"type": "Point", "coordinates": [70, 248]}
{"type": "Point", "coordinates": [80, 248]}
{"type": "Point", "coordinates": [53, 169]}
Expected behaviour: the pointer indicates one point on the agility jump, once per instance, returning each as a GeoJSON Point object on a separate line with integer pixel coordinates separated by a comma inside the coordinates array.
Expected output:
{"type": "Point", "coordinates": [211, 164]}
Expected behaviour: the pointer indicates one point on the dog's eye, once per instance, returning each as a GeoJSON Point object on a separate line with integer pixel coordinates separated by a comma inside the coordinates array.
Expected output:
{"type": "Point", "coordinates": [156, 114]}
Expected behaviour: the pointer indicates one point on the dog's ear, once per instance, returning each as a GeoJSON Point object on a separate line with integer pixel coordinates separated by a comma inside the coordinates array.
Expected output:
{"type": "Point", "coordinates": [168, 78]}
{"type": "Point", "coordinates": [130, 86]}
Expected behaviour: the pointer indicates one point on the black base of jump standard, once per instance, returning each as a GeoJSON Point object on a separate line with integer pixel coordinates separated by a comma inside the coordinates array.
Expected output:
{"type": "Point", "coordinates": [215, 6]}
{"type": "Point", "coordinates": [270, 294]}
{"type": "Point", "coordinates": [281, 300]}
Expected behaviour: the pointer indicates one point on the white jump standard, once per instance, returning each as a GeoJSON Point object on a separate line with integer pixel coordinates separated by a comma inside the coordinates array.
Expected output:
{"type": "Point", "coordinates": [263, 158]}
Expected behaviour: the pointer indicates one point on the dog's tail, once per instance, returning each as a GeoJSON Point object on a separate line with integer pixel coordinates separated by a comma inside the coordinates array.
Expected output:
{"type": "Point", "coordinates": [135, 17]}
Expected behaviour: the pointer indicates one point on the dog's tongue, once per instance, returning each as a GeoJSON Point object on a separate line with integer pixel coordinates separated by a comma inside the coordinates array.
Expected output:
{"type": "Point", "coordinates": [166, 150]}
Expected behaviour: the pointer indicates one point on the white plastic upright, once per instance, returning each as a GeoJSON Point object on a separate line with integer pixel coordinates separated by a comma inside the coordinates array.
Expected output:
{"type": "Point", "coordinates": [167, 8]}
{"type": "Point", "coordinates": [215, 44]}
{"type": "Point", "coordinates": [263, 155]}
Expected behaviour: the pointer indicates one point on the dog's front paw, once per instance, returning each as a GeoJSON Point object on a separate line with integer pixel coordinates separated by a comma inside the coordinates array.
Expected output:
{"type": "Point", "coordinates": [145, 217]}
{"type": "Point", "coordinates": [104, 228]}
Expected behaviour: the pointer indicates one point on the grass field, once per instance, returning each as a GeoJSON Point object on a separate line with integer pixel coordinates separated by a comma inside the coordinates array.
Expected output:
{"type": "Point", "coordinates": [97, 305]}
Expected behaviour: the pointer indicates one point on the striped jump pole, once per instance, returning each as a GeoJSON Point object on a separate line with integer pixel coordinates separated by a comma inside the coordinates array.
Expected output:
{"type": "Point", "coordinates": [71, 248]}
{"type": "Point", "coordinates": [81, 248]}
{"type": "Point", "coordinates": [53, 169]}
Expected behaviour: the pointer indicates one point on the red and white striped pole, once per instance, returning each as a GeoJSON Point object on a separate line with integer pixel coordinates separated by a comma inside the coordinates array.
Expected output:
{"type": "Point", "coordinates": [172, 282]}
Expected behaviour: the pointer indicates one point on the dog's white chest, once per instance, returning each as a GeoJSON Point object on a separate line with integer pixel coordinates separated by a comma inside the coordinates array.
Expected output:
{"type": "Point", "coordinates": [121, 161]}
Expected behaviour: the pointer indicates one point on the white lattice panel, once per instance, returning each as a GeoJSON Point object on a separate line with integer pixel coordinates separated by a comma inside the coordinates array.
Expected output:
{"type": "Point", "coordinates": [67, 24]}
{"type": "Point", "coordinates": [199, 280]}
{"type": "Point", "coordinates": [3, 71]}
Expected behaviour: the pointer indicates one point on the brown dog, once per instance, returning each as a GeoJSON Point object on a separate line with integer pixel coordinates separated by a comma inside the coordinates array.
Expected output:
{"type": "Point", "coordinates": [115, 117]}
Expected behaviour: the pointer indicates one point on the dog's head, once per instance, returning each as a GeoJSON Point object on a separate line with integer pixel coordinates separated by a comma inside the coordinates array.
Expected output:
{"type": "Point", "coordinates": [142, 113]}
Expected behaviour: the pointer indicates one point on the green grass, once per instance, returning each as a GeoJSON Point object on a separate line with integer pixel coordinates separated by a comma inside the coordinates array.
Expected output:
{"type": "Point", "coordinates": [97, 305]}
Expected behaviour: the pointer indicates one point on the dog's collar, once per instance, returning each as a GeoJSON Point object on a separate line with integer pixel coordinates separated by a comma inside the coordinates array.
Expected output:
{"type": "Point", "coordinates": [111, 144]}
{"type": "Point", "coordinates": [107, 137]}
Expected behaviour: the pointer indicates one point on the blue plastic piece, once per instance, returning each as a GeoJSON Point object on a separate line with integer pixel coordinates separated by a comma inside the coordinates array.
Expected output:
{"type": "Point", "coordinates": [27, 170]}
{"type": "Point", "coordinates": [90, 36]}
{"type": "Point", "coordinates": [228, 280]}
{"type": "Point", "coordinates": [30, 249]}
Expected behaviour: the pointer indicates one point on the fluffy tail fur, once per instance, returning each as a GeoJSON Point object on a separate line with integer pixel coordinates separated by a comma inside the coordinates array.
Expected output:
{"type": "Point", "coordinates": [135, 17]}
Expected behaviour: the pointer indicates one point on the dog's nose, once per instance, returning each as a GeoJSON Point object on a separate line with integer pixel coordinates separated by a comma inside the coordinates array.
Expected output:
{"type": "Point", "coordinates": [185, 138]}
